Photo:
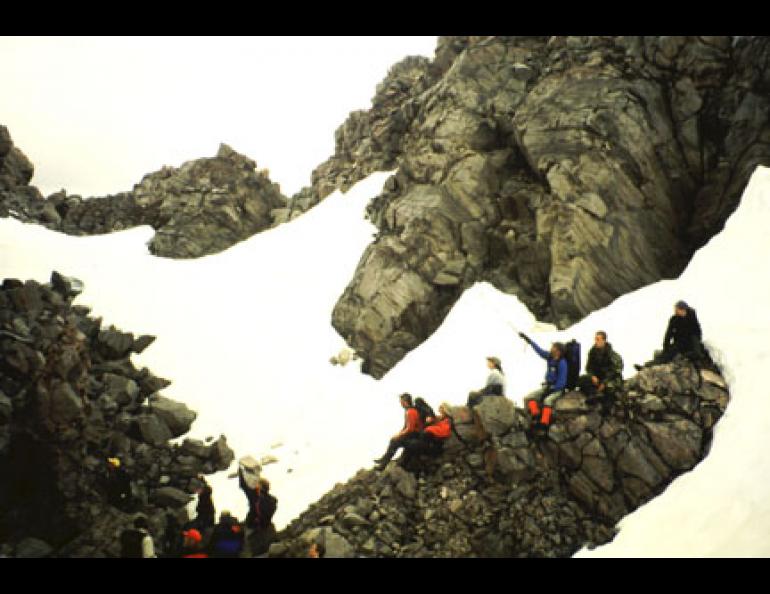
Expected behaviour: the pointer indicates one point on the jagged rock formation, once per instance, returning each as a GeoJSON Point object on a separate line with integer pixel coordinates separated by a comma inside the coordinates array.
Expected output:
{"type": "Point", "coordinates": [567, 171]}
{"type": "Point", "coordinates": [508, 495]}
{"type": "Point", "coordinates": [200, 208]}
{"type": "Point", "coordinates": [69, 399]}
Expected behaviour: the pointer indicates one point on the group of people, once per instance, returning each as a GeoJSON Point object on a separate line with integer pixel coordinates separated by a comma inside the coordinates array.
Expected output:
{"type": "Point", "coordinates": [424, 432]}
{"type": "Point", "coordinates": [603, 377]}
{"type": "Point", "coordinates": [200, 537]}
{"type": "Point", "coordinates": [602, 380]}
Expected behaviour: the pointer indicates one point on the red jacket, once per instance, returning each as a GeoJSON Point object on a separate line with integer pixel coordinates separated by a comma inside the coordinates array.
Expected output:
{"type": "Point", "coordinates": [413, 422]}
{"type": "Point", "coordinates": [440, 429]}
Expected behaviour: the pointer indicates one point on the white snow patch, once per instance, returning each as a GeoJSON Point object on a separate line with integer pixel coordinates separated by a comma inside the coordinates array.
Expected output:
{"type": "Point", "coordinates": [246, 338]}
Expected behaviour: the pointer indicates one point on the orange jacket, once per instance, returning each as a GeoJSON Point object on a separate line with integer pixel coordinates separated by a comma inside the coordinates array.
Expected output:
{"type": "Point", "coordinates": [440, 429]}
{"type": "Point", "coordinates": [413, 422]}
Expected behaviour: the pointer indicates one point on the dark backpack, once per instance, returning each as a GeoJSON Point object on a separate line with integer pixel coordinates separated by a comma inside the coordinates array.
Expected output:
{"type": "Point", "coordinates": [267, 507]}
{"type": "Point", "coordinates": [424, 409]}
{"type": "Point", "coordinates": [572, 356]}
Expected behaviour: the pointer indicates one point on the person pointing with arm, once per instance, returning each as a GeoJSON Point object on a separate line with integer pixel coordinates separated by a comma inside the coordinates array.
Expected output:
{"type": "Point", "coordinates": [553, 386]}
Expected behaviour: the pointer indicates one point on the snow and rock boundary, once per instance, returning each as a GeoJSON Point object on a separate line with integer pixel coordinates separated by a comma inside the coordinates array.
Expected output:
{"type": "Point", "coordinates": [505, 494]}
{"type": "Point", "coordinates": [70, 398]}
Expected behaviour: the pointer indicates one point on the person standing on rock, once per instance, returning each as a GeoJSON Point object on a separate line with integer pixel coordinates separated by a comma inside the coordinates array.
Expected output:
{"type": "Point", "coordinates": [410, 432]}
{"type": "Point", "coordinates": [136, 542]}
{"type": "Point", "coordinates": [261, 531]}
{"type": "Point", "coordinates": [118, 485]}
{"type": "Point", "coordinates": [604, 377]}
{"type": "Point", "coordinates": [172, 537]}
{"type": "Point", "coordinates": [495, 385]}
{"type": "Point", "coordinates": [553, 387]}
{"type": "Point", "coordinates": [206, 514]}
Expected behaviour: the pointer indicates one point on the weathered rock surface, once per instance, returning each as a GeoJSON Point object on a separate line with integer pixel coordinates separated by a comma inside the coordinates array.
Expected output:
{"type": "Point", "coordinates": [567, 171]}
{"type": "Point", "coordinates": [511, 495]}
{"type": "Point", "coordinates": [200, 208]}
{"type": "Point", "coordinates": [69, 399]}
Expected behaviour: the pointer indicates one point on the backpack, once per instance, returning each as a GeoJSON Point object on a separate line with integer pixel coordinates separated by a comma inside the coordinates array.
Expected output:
{"type": "Point", "coordinates": [267, 507]}
{"type": "Point", "coordinates": [424, 409]}
{"type": "Point", "coordinates": [572, 356]}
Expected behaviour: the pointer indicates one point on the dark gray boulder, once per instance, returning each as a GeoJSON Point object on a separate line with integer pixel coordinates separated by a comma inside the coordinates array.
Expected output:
{"type": "Point", "coordinates": [153, 430]}
{"type": "Point", "coordinates": [177, 417]}
{"type": "Point", "coordinates": [170, 497]}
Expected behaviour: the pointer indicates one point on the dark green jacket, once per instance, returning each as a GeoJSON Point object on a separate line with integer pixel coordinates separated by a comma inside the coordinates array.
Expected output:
{"type": "Point", "coordinates": [605, 364]}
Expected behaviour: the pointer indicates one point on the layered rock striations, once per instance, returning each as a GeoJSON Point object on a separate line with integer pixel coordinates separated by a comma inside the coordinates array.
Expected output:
{"type": "Point", "coordinates": [567, 171]}
{"type": "Point", "coordinates": [509, 495]}
{"type": "Point", "coordinates": [70, 398]}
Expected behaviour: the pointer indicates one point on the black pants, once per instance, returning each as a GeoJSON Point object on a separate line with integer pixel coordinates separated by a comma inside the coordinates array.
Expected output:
{"type": "Point", "coordinates": [423, 445]}
{"type": "Point", "coordinates": [692, 350]}
{"type": "Point", "coordinates": [606, 396]}
{"type": "Point", "coordinates": [410, 439]}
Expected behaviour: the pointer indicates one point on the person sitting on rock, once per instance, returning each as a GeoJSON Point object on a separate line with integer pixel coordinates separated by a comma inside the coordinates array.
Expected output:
{"type": "Point", "coordinates": [495, 385]}
{"type": "Point", "coordinates": [136, 542]}
{"type": "Point", "coordinates": [604, 377]}
{"type": "Point", "coordinates": [227, 538]}
{"type": "Point", "coordinates": [553, 387]}
{"type": "Point", "coordinates": [431, 440]}
{"type": "Point", "coordinates": [683, 337]}
{"type": "Point", "coordinates": [410, 432]}
{"type": "Point", "coordinates": [192, 548]}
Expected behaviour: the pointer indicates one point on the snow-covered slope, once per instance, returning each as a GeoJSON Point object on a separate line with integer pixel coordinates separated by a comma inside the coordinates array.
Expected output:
{"type": "Point", "coordinates": [245, 337]}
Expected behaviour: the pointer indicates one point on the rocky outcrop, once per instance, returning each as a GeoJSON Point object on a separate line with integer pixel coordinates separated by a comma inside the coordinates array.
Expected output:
{"type": "Point", "coordinates": [200, 208]}
{"type": "Point", "coordinates": [565, 170]}
{"type": "Point", "coordinates": [503, 493]}
{"type": "Point", "coordinates": [15, 169]}
{"type": "Point", "coordinates": [69, 399]}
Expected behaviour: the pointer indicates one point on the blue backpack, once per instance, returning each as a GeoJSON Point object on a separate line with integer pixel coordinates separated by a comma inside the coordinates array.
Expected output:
{"type": "Point", "coordinates": [572, 356]}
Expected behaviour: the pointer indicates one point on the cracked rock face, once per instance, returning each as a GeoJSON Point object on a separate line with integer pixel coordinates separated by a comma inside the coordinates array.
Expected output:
{"type": "Point", "coordinates": [567, 171]}
{"type": "Point", "coordinates": [509, 495]}
{"type": "Point", "coordinates": [200, 208]}
{"type": "Point", "coordinates": [70, 398]}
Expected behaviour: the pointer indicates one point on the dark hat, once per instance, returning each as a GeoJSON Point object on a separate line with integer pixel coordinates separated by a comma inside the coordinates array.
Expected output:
{"type": "Point", "coordinates": [681, 305]}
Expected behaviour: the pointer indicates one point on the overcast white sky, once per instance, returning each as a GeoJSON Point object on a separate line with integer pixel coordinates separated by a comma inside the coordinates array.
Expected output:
{"type": "Point", "coordinates": [95, 114]}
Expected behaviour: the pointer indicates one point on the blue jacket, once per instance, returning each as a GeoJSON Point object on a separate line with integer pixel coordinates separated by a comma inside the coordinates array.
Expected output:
{"type": "Point", "coordinates": [556, 375]}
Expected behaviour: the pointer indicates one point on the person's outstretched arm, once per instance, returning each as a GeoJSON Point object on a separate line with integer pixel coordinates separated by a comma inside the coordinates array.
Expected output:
{"type": "Point", "coordinates": [534, 345]}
